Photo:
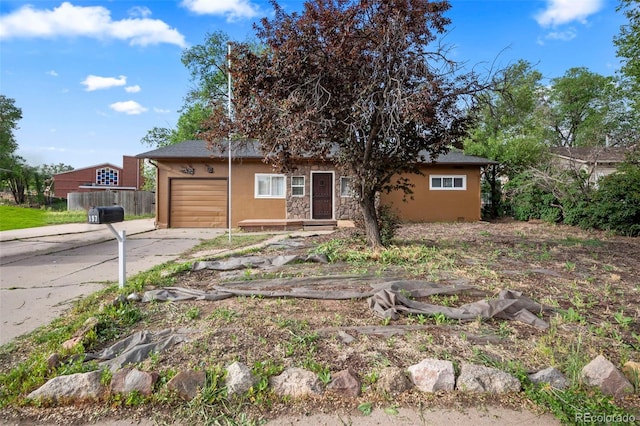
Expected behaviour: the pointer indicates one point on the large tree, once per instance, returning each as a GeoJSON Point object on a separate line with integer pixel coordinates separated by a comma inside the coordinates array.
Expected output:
{"type": "Point", "coordinates": [362, 83]}
{"type": "Point", "coordinates": [207, 65]}
{"type": "Point", "coordinates": [584, 108]}
{"type": "Point", "coordinates": [628, 44]}
{"type": "Point", "coordinates": [508, 128]}
{"type": "Point", "coordinates": [10, 114]}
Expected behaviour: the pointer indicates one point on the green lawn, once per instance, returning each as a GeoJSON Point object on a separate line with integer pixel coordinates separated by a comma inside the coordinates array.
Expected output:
{"type": "Point", "coordinates": [21, 217]}
{"type": "Point", "coordinates": [12, 217]}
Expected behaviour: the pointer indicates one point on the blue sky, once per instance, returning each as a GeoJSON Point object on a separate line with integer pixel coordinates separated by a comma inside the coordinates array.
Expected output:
{"type": "Point", "coordinates": [93, 76]}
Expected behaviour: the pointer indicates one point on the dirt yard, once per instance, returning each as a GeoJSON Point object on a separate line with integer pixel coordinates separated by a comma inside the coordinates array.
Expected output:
{"type": "Point", "coordinates": [591, 280]}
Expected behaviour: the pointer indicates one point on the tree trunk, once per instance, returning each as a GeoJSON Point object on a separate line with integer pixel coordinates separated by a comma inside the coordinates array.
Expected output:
{"type": "Point", "coordinates": [496, 195]}
{"type": "Point", "coordinates": [370, 218]}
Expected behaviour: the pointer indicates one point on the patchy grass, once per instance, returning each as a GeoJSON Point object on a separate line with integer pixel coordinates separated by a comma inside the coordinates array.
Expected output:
{"type": "Point", "coordinates": [591, 278]}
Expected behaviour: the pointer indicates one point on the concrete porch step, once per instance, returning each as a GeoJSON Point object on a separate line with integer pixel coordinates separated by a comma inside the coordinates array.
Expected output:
{"type": "Point", "coordinates": [254, 225]}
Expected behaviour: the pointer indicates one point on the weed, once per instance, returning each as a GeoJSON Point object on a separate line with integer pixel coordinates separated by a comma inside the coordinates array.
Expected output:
{"type": "Point", "coordinates": [324, 376]}
{"type": "Point", "coordinates": [571, 315]}
{"type": "Point", "coordinates": [622, 320]}
{"type": "Point", "coordinates": [392, 410]}
{"type": "Point", "coordinates": [504, 329]}
{"type": "Point", "coordinates": [441, 318]}
{"type": "Point", "coordinates": [570, 405]}
{"type": "Point", "coordinates": [193, 313]}
{"type": "Point", "coordinates": [366, 408]}
{"type": "Point", "coordinates": [575, 361]}
{"type": "Point", "coordinates": [422, 319]}
{"type": "Point", "coordinates": [105, 377]}
{"type": "Point", "coordinates": [226, 314]}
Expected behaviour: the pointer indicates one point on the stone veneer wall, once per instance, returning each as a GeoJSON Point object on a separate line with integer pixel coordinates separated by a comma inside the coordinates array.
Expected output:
{"type": "Point", "coordinates": [300, 207]}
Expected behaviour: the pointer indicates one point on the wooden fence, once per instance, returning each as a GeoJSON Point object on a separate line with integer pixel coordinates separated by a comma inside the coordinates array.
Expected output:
{"type": "Point", "coordinates": [135, 203]}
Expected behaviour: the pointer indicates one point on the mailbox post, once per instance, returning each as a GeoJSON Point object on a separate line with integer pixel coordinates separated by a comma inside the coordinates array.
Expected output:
{"type": "Point", "coordinates": [108, 215]}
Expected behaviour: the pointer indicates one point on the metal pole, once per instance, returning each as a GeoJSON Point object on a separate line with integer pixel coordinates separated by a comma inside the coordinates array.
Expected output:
{"type": "Point", "coordinates": [229, 135]}
{"type": "Point", "coordinates": [122, 261]}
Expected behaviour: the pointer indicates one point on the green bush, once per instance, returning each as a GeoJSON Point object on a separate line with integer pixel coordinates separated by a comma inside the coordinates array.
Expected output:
{"type": "Point", "coordinates": [529, 201]}
{"type": "Point", "coordinates": [388, 223]}
{"type": "Point", "coordinates": [616, 203]}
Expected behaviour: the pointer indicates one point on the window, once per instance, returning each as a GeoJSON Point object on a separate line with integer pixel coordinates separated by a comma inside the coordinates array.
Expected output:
{"type": "Point", "coordinates": [447, 183]}
{"type": "Point", "coordinates": [345, 187]}
{"type": "Point", "coordinates": [269, 186]}
{"type": "Point", "coordinates": [297, 186]}
{"type": "Point", "coordinates": [107, 176]}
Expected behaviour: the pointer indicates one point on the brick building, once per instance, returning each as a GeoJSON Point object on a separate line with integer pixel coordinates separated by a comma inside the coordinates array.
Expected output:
{"type": "Point", "coordinates": [100, 177]}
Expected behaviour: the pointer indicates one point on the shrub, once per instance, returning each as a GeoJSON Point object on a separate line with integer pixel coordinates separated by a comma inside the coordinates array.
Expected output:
{"type": "Point", "coordinates": [388, 223]}
{"type": "Point", "coordinates": [529, 201]}
{"type": "Point", "coordinates": [616, 203]}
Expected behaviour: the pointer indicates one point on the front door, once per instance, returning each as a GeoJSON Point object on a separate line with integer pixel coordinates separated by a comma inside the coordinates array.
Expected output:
{"type": "Point", "coordinates": [322, 200]}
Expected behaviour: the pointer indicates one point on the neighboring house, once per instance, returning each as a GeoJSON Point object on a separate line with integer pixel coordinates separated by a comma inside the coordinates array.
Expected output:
{"type": "Point", "coordinates": [100, 177]}
{"type": "Point", "coordinates": [191, 189]}
{"type": "Point", "coordinates": [596, 162]}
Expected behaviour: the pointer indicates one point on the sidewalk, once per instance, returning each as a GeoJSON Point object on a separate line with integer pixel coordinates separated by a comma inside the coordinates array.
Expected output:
{"type": "Point", "coordinates": [130, 226]}
{"type": "Point", "coordinates": [44, 269]}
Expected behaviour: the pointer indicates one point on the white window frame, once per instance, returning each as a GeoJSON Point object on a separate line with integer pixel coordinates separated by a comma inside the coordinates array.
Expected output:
{"type": "Point", "coordinates": [270, 176]}
{"type": "Point", "coordinates": [346, 192]}
{"type": "Point", "coordinates": [298, 186]}
{"type": "Point", "coordinates": [447, 188]}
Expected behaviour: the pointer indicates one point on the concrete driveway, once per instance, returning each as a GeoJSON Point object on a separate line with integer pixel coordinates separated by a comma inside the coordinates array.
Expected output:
{"type": "Point", "coordinates": [43, 270]}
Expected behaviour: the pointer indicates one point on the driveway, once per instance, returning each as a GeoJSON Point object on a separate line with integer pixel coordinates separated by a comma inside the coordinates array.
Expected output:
{"type": "Point", "coordinates": [43, 270]}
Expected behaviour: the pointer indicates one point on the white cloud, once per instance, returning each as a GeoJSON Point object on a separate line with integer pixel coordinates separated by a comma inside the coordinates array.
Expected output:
{"type": "Point", "coordinates": [52, 73]}
{"type": "Point", "coordinates": [560, 12]}
{"type": "Point", "coordinates": [566, 35]}
{"type": "Point", "coordinates": [94, 82]}
{"type": "Point", "coordinates": [140, 12]}
{"type": "Point", "coordinates": [90, 21]}
{"type": "Point", "coordinates": [232, 9]}
{"type": "Point", "coordinates": [132, 89]}
{"type": "Point", "coordinates": [161, 111]}
{"type": "Point", "coordinates": [128, 107]}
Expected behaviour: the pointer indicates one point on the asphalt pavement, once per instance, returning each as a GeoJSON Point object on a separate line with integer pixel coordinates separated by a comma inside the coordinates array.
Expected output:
{"type": "Point", "coordinates": [43, 270]}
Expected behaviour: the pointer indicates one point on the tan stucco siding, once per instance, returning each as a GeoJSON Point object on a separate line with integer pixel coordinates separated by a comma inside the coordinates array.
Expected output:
{"type": "Point", "coordinates": [244, 205]}
{"type": "Point", "coordinates": [430, 205]}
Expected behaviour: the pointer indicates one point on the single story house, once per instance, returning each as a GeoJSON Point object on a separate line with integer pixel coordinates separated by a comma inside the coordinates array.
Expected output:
{"type": "Point", "coordinates": [100, 177]}
{"type": "Point", "coordinates": [192, 189]}
{"type": "Point", "coordinates": [596, 162]}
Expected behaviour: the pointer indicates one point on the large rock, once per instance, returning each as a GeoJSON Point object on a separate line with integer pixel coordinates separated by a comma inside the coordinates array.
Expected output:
{"type": "Point", "coordinates": [478, 378]}
{"type": "Point", "coordinates": [602, 373]}
{"type": "Point", "coordinates": [345, 383]}
{"type": "Point", "coordinates": [77, 386]}
{"type": "Point", "coordinates": [296, 382]}
{"type": "Point", "coordinates": [187, 383]}
{"type": "Point", "coordinates": [239, 379]}
{"type": "Point", "coordinates": [432, 375]}
{"type": "Point", "coordinates": [631, 370]}
{"type": "Point", "coordinates": [552, 376]}
{"type": "Point", "coordinates": [392, 381]}
{"type": "Point", "coordinates": [132, 380]}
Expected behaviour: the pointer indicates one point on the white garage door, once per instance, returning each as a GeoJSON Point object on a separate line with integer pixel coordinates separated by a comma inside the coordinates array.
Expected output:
{"type": "Point", "coordinates": [198, 203]}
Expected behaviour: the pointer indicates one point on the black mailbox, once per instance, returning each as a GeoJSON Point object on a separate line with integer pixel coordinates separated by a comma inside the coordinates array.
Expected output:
{"type": "Point", "coordinates": [106, 214]}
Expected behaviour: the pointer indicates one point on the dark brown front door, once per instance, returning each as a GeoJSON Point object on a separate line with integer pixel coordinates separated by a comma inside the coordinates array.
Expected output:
{"type": "Point", "coordinates": [322, 203]}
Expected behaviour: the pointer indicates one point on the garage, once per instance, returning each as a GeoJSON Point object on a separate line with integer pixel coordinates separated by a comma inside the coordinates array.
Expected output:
{"type": "Point", "coordinates": [198, 203]}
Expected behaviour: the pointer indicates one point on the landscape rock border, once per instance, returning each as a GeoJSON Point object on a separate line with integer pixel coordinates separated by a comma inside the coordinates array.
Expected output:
{"type": "Point", "coordinates": [430, 375]}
